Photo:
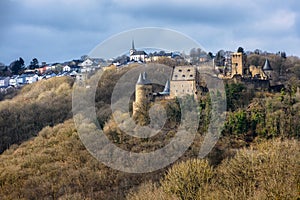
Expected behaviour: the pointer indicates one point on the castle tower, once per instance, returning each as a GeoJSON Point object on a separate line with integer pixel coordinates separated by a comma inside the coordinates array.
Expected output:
{"type": "Point", "coordinates": [143, 95]}
{"type": "Point", "coordinates": [238, 64]}
{"type": "Point", "coordinates": [268, 69]}
{"type": "Point", "coordinates": [184, 81]}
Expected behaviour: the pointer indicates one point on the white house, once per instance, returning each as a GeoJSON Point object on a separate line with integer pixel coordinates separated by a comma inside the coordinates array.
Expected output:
{"type": "Point", "coordinates": [4, 81]}
{"type": "Point", "coordinates": [31, 78]}
{"type": "Point", "coordinates": [87, 69]}
{"type": "Point", "coordinates": [13, 81]}
{"type": "Point", "coordinates": [21, 79]}
{"type": "Point", "coordinates": [67, 68]}
{"type": "Point", "coordinates": [87, 63]}
{"type": "Point", "coordinates": [73, 74]}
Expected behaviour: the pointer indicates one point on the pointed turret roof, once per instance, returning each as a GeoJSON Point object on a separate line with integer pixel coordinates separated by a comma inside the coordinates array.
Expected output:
{"type": "Point", "coordinates": [267, 66]}
{"type": "Point", "coordinates": [140, 80]}
{"type": "Point", "coordinates": [166, 89]}
{"type": "Point", "coordinates": [146, 81]}
{"type": "Point", "coordinates": [143, 80]}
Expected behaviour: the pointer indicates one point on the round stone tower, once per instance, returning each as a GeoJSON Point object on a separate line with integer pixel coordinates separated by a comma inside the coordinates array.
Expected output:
{"type": "Point", "coordinates": [143, 94]}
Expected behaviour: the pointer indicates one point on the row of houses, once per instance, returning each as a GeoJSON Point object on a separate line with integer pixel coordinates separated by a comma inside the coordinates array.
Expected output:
{"type": "Point", "coordinates": [73, 69]}
{"type": "Point", "coordinates": [23, 79]}
{"type": "Point", "coordinates": [20, 80]}
{"type": "Point", "coordinates": [89, 64]}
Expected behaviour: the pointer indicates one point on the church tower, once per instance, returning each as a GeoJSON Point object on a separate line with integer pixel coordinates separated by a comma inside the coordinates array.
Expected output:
{"type": "Point", "coordinates": [132, 50]}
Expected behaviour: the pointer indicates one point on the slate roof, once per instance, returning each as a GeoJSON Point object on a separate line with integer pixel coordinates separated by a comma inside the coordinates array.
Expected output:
{"type": "Point", "coordinates": [140, 80]}
{"type": "Point", "coordinates": [166, 89]}
{"type": "Point", "coordinates": [184, 73]}
{"type": "Point", "coordinates": [143, 79]}
{"type": "Point", "coordinates": [267, 66]}
{"type": "Point", "coordinates": [139, 53]}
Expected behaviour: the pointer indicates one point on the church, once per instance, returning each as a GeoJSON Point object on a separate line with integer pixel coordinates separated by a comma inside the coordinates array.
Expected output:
{"type": "Point", "coordinates": [137, 56]}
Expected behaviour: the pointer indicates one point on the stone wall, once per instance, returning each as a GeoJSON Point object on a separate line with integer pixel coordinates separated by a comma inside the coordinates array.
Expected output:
{"type": "Point", "coordinates": [143, 96]}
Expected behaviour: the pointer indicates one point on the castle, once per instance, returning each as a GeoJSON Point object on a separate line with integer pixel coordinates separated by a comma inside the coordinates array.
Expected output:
{"type": "Point", "coordinates": [184, 81]}
{"type": "Point", "coordinates": [238, 68]}
{"type": "Point", "coordinates": [254, 77]}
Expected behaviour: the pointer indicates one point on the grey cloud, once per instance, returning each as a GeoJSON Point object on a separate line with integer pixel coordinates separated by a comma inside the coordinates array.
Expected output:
{"type": "Point", "coordinates": [54, 31]}
{"type": "Point", "coordinates": [183, 14]}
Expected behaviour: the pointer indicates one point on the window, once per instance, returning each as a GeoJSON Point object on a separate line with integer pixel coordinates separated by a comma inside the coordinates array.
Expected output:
{"type": "Point", "coordinates": [183, 75]}
{"type": "Point", "coordinates": [180, 70]}
{"type": "Point", "coordinates": [188, 70]}
{"type": "Point", "coordinates": [176, 76]}
{"type": "Point", "coordinates": [191, 75]}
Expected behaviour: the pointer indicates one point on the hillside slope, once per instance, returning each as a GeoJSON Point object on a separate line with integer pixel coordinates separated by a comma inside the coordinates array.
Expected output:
{"type": "Point", "coordinates": [56, 165]}
{"type": "Point", "coordinates": [37, 105]}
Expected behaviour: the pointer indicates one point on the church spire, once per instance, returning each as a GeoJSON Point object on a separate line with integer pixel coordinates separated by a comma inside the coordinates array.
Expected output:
{"type": "Point", "coordinates": [132, 50]}
{"type": "Point", "coordinates": [132, 45]}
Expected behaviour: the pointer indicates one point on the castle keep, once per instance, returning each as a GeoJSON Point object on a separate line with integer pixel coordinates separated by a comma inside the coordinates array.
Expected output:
{"type": "Point", "coordinates": [185, 81]}
{"type": "Point", "coordinates": [238, 64]}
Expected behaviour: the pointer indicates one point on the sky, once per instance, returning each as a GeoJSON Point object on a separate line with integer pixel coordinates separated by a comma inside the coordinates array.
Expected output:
{"type": "Point", "coordinates": [62, 30]}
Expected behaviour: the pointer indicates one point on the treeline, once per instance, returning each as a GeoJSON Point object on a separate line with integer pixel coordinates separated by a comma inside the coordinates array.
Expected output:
{"type": "Point", "coordinates": [269, 170]}
{"type": "Point", "coordinates": [37, 105]}
{"type": "Point", "coordinates": [262, 114]}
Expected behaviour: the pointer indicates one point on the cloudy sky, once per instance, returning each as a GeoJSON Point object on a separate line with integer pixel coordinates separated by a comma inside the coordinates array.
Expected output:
{"type": "Point", "coordinates": [60, 30]}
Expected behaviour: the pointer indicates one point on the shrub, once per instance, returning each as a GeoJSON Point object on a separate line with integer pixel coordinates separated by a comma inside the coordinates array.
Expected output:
{"type": "Point", "coordinates": [187, 179]}
{"type": "Point", "coordinates": [150, 191]}
{"type": "Point", "coordinates": [271, 170]}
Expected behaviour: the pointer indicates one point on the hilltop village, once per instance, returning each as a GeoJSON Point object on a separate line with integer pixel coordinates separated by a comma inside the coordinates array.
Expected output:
{"type": "Point", "coordinates": [185, 79]}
